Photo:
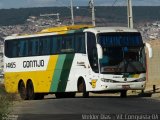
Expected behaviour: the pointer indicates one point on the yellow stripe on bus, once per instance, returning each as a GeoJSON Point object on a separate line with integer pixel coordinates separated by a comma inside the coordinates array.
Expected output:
{"type": "Point", "coordinates": [52, 62]}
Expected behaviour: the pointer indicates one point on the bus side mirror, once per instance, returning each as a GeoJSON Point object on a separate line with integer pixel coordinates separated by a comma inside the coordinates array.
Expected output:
{"type": "Point", "coordinates": [149, 48]}
{"type": "Point", "coordinates": [100, 51]}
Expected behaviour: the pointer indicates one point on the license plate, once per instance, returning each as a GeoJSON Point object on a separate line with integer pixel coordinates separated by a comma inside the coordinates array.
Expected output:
{"type": "Point", "coordinates": [125, 86]}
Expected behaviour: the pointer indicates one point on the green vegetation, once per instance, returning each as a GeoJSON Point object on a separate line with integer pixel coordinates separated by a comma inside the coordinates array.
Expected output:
{"type": "Point", "coordinates": [111, 14]}
{"type": "Point", "coordinates": [6, 101]}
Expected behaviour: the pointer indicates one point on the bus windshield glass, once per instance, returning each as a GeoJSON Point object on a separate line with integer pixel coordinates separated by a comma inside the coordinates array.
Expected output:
{"type": "Point", "coordinates": [122, 53]}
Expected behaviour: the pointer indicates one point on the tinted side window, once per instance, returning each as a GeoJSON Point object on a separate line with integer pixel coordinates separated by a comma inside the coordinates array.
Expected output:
{"type": "Point", "coordinates": [53, 45]}
{"type": "Point", "coordinates": [48, 45]}
{"type": "Point", "coordinates": [23, 48]}
{"type": "Point", "coordinates": [80, 43]}
{"type": "Point", "coordinates": [44, 44]}
{"type": "Point", "coordinates": [92, 51]}
{"type": "Point", "coordinates": [67, 44]}
{"type": "Point", "coordinates": [8, 48]}
{"type": "Point", "coordinates": [35, 46]}
{"type": "Point", "coordinates": [59, 44]}
{"type": "Point", "coordinates": [30, 48]}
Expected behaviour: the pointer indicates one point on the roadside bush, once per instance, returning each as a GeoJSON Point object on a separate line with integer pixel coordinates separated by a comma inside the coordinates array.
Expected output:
{"type": "Point", "coordinates": [6, 101]}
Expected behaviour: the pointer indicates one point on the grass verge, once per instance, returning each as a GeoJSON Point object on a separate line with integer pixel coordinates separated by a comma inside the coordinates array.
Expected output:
{"type": "Point", "coordinates": [6, 102]}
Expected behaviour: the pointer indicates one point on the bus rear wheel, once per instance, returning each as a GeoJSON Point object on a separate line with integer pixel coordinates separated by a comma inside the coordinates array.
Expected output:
{"type": "Point", "coordinates": [30, 91]}
{"type": "Point", "coordinates": [123, 93]}
{"type": "Point", "coordinates": [82, 88]}
{"type": "Point", "coordinates": [22, 90]}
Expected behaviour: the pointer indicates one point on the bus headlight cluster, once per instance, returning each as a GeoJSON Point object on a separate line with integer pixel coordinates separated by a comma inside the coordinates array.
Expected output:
{"type": "Point", "coordinates": [141, 79]}
{"type": "Point", "coordinates": [107, 80]}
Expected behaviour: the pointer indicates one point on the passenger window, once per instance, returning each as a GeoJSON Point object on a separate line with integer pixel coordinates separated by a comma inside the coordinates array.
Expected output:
{"type": "Point", "coordinates": [53, 45]}
{"type": "Point", "coordinates": [80, 43]}
{"type": "Point", "coordinates": [92, 51]}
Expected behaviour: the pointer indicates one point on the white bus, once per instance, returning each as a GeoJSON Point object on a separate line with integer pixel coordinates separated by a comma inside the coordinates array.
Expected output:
{"type": "Point", "coordinates": [70, 59]}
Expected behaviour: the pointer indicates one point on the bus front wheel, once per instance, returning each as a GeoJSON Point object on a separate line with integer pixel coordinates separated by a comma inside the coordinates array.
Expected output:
{"type": "Point", "coordinates": [82, 88]}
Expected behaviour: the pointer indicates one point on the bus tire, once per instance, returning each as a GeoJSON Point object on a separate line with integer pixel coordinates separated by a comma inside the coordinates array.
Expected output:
{"type": "Point", "coordinates": [22, 90]}
{"type": "Point", "coordinates": [123, 93]}
{"type": "Point", "coordinates": [82, 88]}
{"type": "Point", "coordinates": [30, 91]}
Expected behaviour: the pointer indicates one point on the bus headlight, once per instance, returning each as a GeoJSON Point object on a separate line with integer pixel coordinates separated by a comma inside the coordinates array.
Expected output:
{"type": "Point", "coordinates": [107, 80]}
{"type": "Point", "coordinates": [140, 79]}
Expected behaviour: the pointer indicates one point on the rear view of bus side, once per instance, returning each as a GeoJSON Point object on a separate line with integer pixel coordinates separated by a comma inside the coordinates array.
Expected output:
{"type": "Point", "coordinates": [70, 59]}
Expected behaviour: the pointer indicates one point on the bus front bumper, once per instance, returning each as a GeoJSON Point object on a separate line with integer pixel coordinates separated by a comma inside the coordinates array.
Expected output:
{"type": "Point", "coordinates": [123, 86]}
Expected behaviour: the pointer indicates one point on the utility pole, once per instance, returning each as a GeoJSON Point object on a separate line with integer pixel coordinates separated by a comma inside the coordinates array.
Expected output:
{"type": "Point", "coordinates": [72, 14]}
{"type": "Point", "coordinates": [91, 4]}
{"type": "Point", "coordinates": [58, 19]}
{"type": "Point", "coordinates": [130, 14]}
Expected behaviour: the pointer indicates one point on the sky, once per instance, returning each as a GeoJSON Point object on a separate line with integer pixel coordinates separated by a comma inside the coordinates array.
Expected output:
{"type": "Point", "coordinates": [6, 4]}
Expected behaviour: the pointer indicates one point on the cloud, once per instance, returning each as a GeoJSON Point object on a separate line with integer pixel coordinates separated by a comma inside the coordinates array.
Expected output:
{"type": "Point", "coordinates": [124, 2]}
{"type": "Point", "coordinates": [1, 5]}
{"type": "Point", "coordinates": [39, 3]}
{"type": "Point", "coordinates": [146, 2]}
{"type": "Point", "coordinates": [45, 3]}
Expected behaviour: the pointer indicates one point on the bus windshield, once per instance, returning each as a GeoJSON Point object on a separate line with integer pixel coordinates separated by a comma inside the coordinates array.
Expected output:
{"type": "Point", "coordinates": [122, 53]}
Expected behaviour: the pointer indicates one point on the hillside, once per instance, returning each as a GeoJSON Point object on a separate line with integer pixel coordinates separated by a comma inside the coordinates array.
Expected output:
{"type": "Point", "coordinates": [105, 14]}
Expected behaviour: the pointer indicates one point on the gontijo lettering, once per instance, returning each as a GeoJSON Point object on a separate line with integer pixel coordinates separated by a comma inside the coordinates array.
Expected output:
{"type": "Point", "coordinates": [33, 63]}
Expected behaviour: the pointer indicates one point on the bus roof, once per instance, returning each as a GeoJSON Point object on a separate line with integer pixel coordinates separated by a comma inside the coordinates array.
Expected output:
{"type": "Point", "coordinates": [72, 29]}
{"type": "Point", "coordinates": [52, 31]}
{"type": "Point", "coordinates": [65, 28]}
{"type": "Point", "coordinates": [109, 29]}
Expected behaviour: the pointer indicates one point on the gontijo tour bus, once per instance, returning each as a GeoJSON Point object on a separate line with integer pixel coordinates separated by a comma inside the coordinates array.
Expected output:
{"type": "Point", "coordinates": [69, 59]}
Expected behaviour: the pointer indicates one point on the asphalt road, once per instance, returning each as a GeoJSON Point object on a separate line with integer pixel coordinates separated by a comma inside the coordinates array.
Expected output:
{"type": "Point", "coordinates": [105, 107]}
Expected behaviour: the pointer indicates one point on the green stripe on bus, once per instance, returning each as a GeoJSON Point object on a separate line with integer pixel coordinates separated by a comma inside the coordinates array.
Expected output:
{"type": "Point", "coordinates": [65, 73]}
{"type": "Point", "coordinates": [57, 73]}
